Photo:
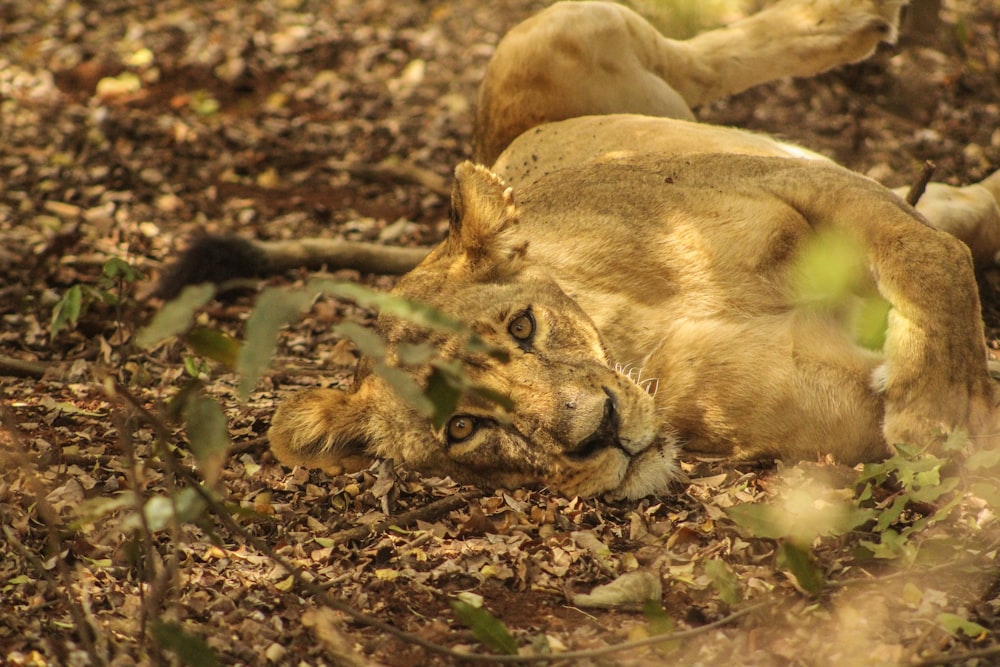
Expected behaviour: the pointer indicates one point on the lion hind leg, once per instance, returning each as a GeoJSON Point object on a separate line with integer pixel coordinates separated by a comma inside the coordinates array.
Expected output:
{"type": "Point", "coordinates": [970, 213]}
{"type": "Point", "coordinates": [790, 38]}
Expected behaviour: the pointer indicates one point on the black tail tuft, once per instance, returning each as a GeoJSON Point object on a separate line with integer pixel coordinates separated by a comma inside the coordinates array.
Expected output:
{"type": "Point", "coordinates": [212, 259]}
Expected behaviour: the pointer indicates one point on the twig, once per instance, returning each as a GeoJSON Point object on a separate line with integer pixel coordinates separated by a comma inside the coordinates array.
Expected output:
{"type": "Point", "coordinates": [14, 367]}
{"type": "Point", "coordinates": [959, 658]}
{"type": "Point", "coordinates": [917, 189]}
{"type": "Point", "coordinates": [428, 512]}
{"type": "Point", "coordinates": [395, 168]}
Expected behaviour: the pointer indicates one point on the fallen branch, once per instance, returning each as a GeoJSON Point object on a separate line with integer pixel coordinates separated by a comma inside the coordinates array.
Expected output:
{"type": "Point", "coordinates": [398, 169]}
{"type": "Point", "coordinates": [13, 367]}
{"type": "Point", "coordinates": [917, 189]}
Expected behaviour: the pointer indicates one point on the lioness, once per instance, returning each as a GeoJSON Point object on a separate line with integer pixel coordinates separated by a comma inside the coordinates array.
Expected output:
{"type": "Point", "coordinates": [639, 273]}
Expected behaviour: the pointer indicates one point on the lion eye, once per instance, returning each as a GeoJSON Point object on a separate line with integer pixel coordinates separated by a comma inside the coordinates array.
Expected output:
{"type": "Point", "coordinates": [522, 327]}
{"type": "Point", "coordinates": [461, 427]}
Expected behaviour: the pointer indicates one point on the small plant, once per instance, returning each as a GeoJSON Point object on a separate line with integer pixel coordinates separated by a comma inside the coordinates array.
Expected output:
{"type": "Point", "coordinates": [918, 475]}
{"type": "Point", "coordinates": [112, 289]}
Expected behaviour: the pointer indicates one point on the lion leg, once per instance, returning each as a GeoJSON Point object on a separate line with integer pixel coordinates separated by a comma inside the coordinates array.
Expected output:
{"type": "Point", "coordinates": [595, 58]}
{"type": "Point", "coordinates": [574, 59]}
{"type": "Point", "coordinates": [970, 213]}
{"type": "Point", "coordinates": [934, 380]}
{"type": "Point", "coordinates": [790, 38]}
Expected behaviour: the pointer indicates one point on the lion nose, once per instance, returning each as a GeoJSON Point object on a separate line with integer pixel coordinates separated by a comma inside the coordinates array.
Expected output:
{"type": "Point", "coordinates": [606, 434]}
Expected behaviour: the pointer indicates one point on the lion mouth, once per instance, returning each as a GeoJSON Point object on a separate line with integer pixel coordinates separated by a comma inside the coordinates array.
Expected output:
{"type": "Point", "coordinates": [606, 434]}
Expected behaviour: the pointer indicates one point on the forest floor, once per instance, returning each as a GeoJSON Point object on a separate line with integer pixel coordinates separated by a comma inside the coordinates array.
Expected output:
{"type": "Point", "coordinates": [127, 128]}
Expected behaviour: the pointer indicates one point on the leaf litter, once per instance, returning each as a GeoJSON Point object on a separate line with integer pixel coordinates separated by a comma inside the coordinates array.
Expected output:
{"type": "Point", "coordinates": [130, 129]}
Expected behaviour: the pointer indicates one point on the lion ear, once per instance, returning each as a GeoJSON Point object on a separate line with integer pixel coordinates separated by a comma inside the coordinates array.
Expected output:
{"type": "Point", "coordinates": [323, 428]}
{"type": "Point", "coordinates": [482, 215]}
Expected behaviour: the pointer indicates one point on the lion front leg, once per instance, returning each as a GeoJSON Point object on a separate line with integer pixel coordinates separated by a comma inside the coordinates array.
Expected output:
{"type": "Point", "coordinates": [934, 379]}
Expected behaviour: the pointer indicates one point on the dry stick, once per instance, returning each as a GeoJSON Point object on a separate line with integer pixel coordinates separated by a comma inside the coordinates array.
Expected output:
{"type": "Point", "coordinates": [396, 169]}
{"type": "Point", "coordinates": [15, 367]}
{"type": "Point", "coordinates": [917, 189]}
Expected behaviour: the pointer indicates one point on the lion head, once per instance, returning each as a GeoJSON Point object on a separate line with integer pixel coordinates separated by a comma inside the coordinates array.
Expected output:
{"type": "Point", "coordinates": [572, 422]}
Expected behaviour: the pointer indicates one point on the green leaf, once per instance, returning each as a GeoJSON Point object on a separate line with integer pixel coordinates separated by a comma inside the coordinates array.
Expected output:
{"type": "Point", "coordinates": [209, 435]}
{"type": "Point", "coordinates": [189, 649]}
{"type": "Point", "coordinates": [117, 267]}
{"type": "Point", "coordinates": [932, 491]}
{"type": "Point", "coordinates": [92, 509]}
{"type": "Point", "coordinates": [159, 511]}
{"type": "Point", "coordinates": [275, 309]}
{"type": "Point", "coordinates": [759, 519]}
{"type": "Point", "coordinates": [443, 394]}
{"type": "Point", "coordinates": [177, 316]}
{"type": "Point", "coordinates": [485, 627]}
{"type": "Point", "coordinates": [407, 388]}
{"type": "Point", "coordinates": [413, 311]}
{"type": "Point", "coordinates": [892, 545]}
{"type": "Point", "coordinates": [988, 491]}
{"type": "Point", "coordinates": [829, 268]}
{"type": "Point", "coordinates": [660, 623]}
{"type": "Point", "coordinates": [889, 515]}
{"type": "Point", "coordinates": [955, 624]}
{"type": "Point", "coordinates": [724, 580]}
{"type": "Point", "coordinates": [67, 311]}
{"type": "Point", "coordinates": [214, 344]}
{"type": "Point", "coordinates": [870, 322]}
{"type": "Point", "coordinates": [194, 366]}
{"type": "Point", "coordinates": [414, 354]}
{"type": "Point", "coordinates": [800, 563]}
{"type": "Point", "coordinates": [369, 342]}
{"type": "Point", "coordinates": [203, 104]}
{"type": "Point", "coordinates": [985, 459]}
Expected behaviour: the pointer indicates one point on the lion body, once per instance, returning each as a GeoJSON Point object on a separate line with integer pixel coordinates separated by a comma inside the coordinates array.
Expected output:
{"type": "Point", "coordinates": [640, 277]}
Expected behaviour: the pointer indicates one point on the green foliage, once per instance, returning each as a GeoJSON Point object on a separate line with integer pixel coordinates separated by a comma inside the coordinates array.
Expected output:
{"type": "Point", "coordinates": [956, 625]}
{"type": "Point", "coordinates": [830, 274]}
{"type": "Point", "coordinates": [159, 512]}
{"type": "Point", "coordinates": [177, 316]}
{"type": "Point", "coordinates": [803, 512]}
{"type": "Point", "coordinates": [278, 307]}
{"type": "Point", "coordinates": [190, 649]}
{"type": "Point", "coordinates": [799, 562]}
{"type": "Point", "coordinates": [801, 516]}
{"type": "Point", "coordinates": [659, 623]}
{"type": "Point", "coordinates": [918, 474]}
{"type": "Point", "coordinates": [724, 580]}
{"type": "Point", "coordinates": [206, 427]}
{"type": "Point", "coordinates": [486, 627]}
{"type": "Point", "coordinates": [67, 311]}
{"type": "Point", "coordinates": [116, 276]}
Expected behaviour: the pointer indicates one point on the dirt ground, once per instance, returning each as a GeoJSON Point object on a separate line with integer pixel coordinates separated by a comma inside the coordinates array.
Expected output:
{"type": "Point", "coordinates": [126, 128]}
